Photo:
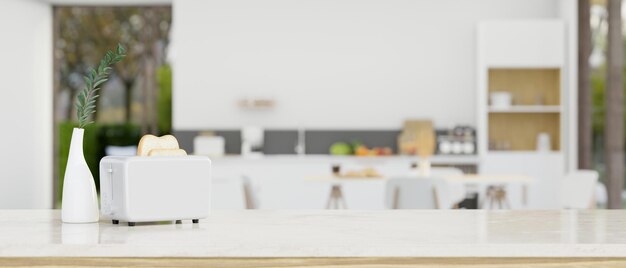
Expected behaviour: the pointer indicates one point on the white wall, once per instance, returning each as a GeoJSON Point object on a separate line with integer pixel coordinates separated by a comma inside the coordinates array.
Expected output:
{"type": "Point", "coordinates": [339, 64]}
{"type": "Point", "coordinates": [26, 104]}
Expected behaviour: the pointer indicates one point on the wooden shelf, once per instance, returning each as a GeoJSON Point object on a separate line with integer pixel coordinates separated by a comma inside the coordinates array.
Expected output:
{"type": "Point", "coordinates": [521, 152]}
{"type": "Point", "coordinates": [520, 130]}
{"type": "Point", "coordinates": [528, 86]}
{"type": "Point", "coordinates": [527, 109]}
{"type": "Point", "coordinates": [536, 98]}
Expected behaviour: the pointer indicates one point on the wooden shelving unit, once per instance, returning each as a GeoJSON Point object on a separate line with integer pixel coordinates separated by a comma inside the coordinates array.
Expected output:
{"type": "Point", "coordinates": [536, 94]}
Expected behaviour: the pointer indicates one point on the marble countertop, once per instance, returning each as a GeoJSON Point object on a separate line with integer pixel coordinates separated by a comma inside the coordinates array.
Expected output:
{"type": "Point", "coordinates": [319, 233]}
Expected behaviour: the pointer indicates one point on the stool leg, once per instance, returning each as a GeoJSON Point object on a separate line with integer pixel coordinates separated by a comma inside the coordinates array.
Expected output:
{"type": "Point", "coordinates": [506, 202]}
{"type": "Point", "coordinates": [336, 197]}
{"type": "Point", "coordinates": [330, 199]}
{"type": "Point", "coordinates": [340, 198]}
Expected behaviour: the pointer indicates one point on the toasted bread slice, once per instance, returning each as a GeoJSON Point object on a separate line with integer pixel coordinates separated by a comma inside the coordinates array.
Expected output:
{"type": "Point", "coordinates": [167, 152]}
{"type": "Point", "coordinates": [151, 142]}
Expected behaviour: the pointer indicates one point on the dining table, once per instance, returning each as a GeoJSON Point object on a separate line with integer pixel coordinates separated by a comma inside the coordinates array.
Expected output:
{"type": "Point", "coordinates": [460, 186]}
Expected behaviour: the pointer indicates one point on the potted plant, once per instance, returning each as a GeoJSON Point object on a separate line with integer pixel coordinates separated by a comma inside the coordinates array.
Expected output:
{"type": "Point", "coordinates": [80, 200]}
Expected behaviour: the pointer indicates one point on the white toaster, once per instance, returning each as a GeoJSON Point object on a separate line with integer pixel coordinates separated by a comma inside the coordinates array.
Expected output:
{"type": "Point", "coordinates": [156, 188]}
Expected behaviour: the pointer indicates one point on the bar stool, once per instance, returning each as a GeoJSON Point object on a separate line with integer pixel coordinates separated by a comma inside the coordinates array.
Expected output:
{"type": "Point", "coordinates": [496, 194]}
{"type": "Point", "coordinates": [336, 200]}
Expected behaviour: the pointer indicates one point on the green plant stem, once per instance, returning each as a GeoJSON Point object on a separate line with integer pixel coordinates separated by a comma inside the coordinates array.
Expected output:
{"type": "Point", "coordinates": [86, 99]}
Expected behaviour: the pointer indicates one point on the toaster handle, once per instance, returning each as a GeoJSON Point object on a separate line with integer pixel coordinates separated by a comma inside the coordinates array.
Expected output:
{"type": "Point", "coordinates": [110, 172]}
{"type": "Point", "coordinates": [108, 200]}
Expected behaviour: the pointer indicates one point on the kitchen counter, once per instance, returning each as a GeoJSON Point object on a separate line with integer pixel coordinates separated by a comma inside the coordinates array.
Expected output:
{"type": "Point", "coordinates": [281, 181]}
{"type": "Point", "coordinates": [403, 237]}
{"type": "Point", "coordinates": [450, 159]}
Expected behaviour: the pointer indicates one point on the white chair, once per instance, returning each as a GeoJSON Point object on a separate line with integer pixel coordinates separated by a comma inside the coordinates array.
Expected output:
{"type": "Point", "coordinates": [232, 193]}
{"type": "Point", "coordinates": [417, 193]}
{"type": "Point", "coordinates": [453, 193]}
{"type": "Point", "coordinates": [445, 171]}
{"type": "Point", "coordinates": [283, 192]}
{"type": "Point", "coordinates": [601, 195]}
{"type": "Point", "coordinates": [577, 189]}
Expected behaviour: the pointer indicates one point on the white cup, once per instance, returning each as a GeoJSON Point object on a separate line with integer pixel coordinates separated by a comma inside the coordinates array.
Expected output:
{"type": "Point", "coordinates": [501, 99]}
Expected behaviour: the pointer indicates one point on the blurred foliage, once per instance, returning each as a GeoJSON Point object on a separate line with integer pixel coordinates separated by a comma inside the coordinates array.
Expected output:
{"type": "Point", "coordinates": [598, 87]}
{"type": "Point", "coordinates": [119, 135]}
{"type": "Point", "coordinates": [85, 33]}
{"type": "Point", "coordinates": [164, 101]}
{"type": "Point", "coordinates": [598, 83]}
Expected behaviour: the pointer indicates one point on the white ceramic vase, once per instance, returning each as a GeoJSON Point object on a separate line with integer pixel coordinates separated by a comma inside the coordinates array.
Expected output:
{"type": "Point", "coordinates": [80, 200]}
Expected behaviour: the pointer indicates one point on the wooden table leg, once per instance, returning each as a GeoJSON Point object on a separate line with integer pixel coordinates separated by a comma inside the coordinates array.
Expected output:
{"type": "Point", "coordinates": [525, 195]}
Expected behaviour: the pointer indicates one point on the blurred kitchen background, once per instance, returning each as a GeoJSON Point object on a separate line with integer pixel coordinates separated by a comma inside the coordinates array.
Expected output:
{"type": "Point", "coordinates": [346, 104]}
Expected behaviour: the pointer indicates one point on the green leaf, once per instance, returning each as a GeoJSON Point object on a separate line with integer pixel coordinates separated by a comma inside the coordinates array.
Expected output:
{"type": "Point", "coordinates": [99, 82]}
{"type": "Point", "coordinates": [86, 99]}
{"type": "Point", "coordinates": [120, 49]}
{"type": "Point", "coordinates": [81, 98]}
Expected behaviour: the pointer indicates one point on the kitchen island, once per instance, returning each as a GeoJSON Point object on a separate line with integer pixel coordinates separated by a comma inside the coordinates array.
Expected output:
{"type": "Point", "coordinates": [315, 238]}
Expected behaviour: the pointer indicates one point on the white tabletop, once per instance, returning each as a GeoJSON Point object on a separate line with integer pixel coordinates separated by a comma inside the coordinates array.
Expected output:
{"type": "Point", "coordinates": [490, 179]}
{"type": "Point", "coordinates": [472, 179]}
{"type": "Point", "coordinates": [317, 233]}
{"type": "Point", "coordinates": [342, 179]}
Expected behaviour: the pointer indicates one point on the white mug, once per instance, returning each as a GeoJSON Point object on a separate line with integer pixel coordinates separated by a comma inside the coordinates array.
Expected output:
{"type": "Point", "coordinates": [501, 99]}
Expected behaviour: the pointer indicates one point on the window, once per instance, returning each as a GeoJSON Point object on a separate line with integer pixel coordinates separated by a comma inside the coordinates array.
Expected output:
{"type": "Point", "coordinates": [137, 97]}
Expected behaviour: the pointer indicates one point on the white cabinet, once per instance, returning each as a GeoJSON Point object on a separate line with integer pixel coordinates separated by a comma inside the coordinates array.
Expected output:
{"type": "Point", "coordinates": [526, 59]}
{"type": "Point", "coordinates": [546, 168]}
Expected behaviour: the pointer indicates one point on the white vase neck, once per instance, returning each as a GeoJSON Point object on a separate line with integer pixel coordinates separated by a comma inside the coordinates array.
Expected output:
{"type": "Point", "coordinates": [76, 145]}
